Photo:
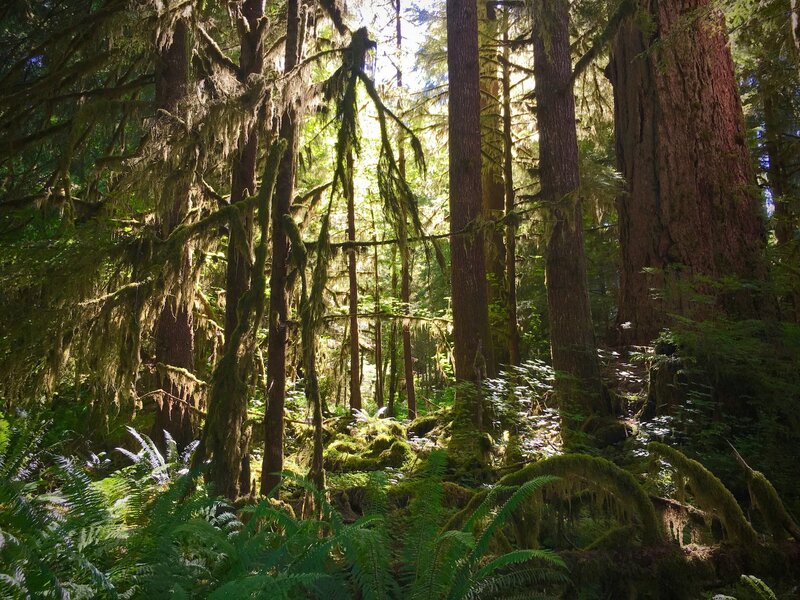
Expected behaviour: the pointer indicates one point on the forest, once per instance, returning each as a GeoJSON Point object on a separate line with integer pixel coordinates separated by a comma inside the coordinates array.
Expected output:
{"type": "Point", "coordinates": [400, 299]}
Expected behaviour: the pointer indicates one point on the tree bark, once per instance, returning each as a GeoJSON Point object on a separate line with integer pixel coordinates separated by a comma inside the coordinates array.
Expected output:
{"type": "Point", "coordinates": [227, 411]}
{"type": "Point", "coordinates": [405, 256]}
{"type": "Point", "coordinates": [492, 187]}
{"type": "Point", "coordinates": [390, 406]}
{"type": "Point", "coordinates": [574, 353]}
{"type": "Point", "coordinates": [508, 191]}
{"type": "Point", "coordinates": [472, 342]}
{"type": "Point", "coordinates": [690, 209]}
{"type": "Point", "coordinates": [355, 378]}
{"type": "Point", "coordinates": [272, 463]}
{"type": "Point", "coordinates": [378, 334]}
{"type": "Point", "coordinates": [174, 333]}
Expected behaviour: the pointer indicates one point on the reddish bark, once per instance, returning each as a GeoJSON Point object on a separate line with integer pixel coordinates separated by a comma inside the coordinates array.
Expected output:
{"type": "Point", "coordinates": [690, 209]}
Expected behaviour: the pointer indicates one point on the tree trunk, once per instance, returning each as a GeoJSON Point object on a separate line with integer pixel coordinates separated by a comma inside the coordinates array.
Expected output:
{"type": "Point", "coordinates": [408, 358]}
{"type": "Point", "coordinates": [578, 388]}
{"type": "Point", "coordinates": [472, 342]}
{"type": "Point", "coordinates": [390, 410]}
{"type": "Point", "coordinates": [508, 189]}
{"type": "Point", "coordinates": [405, 256]}
{"type": "Point", "coordinates": [378, 328]}
{"type": "Point", "coordinates": [690, 210]}
{"type": "Point", "coordinates": [174, 334]}
{"type": "Point", "coordinates": [355, 379]}
{"type": "Point", "coordinates": [492, 186]}
{"type": "Point", "coordinates": [272, 464]}
{"type": "Point", "coordinates": [795, 21]}
{"type": "Point", "coordinates": [228, 410]}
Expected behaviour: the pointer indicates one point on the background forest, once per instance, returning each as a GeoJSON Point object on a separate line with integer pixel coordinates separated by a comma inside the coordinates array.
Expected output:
{"type": "Point", "coordinates": [400, 299]}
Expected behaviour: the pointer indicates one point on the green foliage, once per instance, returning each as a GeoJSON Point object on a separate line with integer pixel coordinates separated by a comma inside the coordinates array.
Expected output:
{"type": "Point", "coordinates": [149, 530]}
{"type": "Point", "coordinates": [739, 384]}
{"type": "Point", "coordinates": [452, 564]}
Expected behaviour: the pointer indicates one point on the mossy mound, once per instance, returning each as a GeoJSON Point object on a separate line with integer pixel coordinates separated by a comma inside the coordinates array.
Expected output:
{"type": "Point", "coordinates": [422, 426]}
{"type": "Point", "coordinates": [346, 455]}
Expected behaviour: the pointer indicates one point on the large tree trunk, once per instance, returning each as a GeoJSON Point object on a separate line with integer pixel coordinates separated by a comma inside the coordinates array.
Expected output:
{"type": "Point", "coordinates": [690, 209]}
{"type": "Point", "coordinates": [508, 192]}
{"type": "Point", "coordinates": [227, 411]}
{"type": "Point", "coordinates": [578, 388]}
{"type": "Point", "coordinates": [174, 334]}
{"type": "Point", "coordinates": [472, 343]}
{"type": "Point", "coordinates": [352, 263]}
{"type": "Point", "coordinates": [492, 187]}
{"type": "Point", "coordinates": [272, 464]}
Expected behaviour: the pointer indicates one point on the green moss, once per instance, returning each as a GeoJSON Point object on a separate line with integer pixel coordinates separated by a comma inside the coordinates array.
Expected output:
{"type": "Point", "coordinates": [769, 504]}
{"type": "Point", "coordinates": [618, 537]}
{"type": "Point", "coordinates": [599, 475]}
{"type": "Point", "coordinates": [381, 443]}
{"type": "Point", "coordinates": [384, 451]}
{"type": "Point", "coordinates": [710, 493]}
{"type": "Point", "coordinates": [396, 455]}
{"type": "Point", "coordinates": [579, 471]}
{"type": "Point", "coordinates": [422, 426]}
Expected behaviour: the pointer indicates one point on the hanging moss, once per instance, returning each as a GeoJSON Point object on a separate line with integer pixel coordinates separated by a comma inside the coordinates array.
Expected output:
{"type": "Point", "coordinates": [578, 471]}
{"type": "Point", "coordinates": [765, 497]}
{"type": "Point", "coordinates": [710, 493]}
{"type": "Point", "coordinates": [599, 475]}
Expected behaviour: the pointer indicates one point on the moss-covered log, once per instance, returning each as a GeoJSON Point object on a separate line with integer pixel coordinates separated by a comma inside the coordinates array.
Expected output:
{"type": "Point", "coordinates": [710, 493]}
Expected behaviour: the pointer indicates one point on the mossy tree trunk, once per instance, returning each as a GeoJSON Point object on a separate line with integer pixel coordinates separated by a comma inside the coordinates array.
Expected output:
{"type": "Point", "coordinates": [222, 438]}
{"type": "Point", "coordinates": [578, 387]}
{"type": "Point", "coordinates": [677, 111]}
{"type": "Point", "coordinates": [472, 342]}
{"type": "Point", "coordinates": [174, 332]}
{"type": "Point", "coordinates": [272, 464]}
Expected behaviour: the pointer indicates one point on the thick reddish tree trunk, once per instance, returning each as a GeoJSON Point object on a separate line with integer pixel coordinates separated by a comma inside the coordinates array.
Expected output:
{"type": "Point", "coordinates": [272, 464]}
{"type": "Point", "coordinates": [472, 348]}
{"type": "Point", "coordinates": [174, 334]}
{"type": "Point", "coordinates": [578, 388]}
{"type": "Point", "coordinates": [690, 209]}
